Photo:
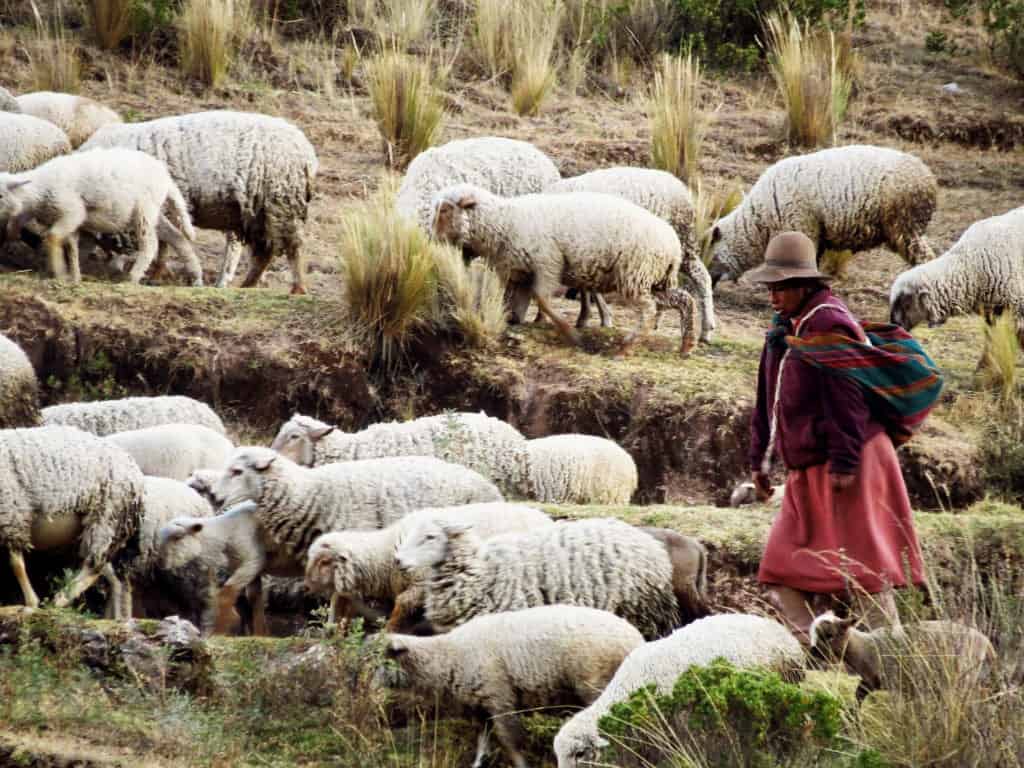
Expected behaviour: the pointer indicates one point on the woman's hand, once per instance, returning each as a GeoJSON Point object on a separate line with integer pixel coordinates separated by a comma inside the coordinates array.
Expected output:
{"type": "Point", "coordinates": [841, 483]}
{"type": "Point", "coordinates": [762, 486]}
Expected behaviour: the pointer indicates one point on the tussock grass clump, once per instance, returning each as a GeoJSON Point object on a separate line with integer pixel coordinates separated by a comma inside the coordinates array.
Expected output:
{"type": "Point", "coordinates": [54, 55]}
{"type": "Point", "coordinates": [836, 263]}
{"type": "Point", "coordinates": [407, 105]}
{"type": "Point", "coordinates": [808, 69]}
{"type": "Point", "coordinates": [607, 28]}
{"type": "Point", "coordinates": [491, 37]}
{"type": "Point", "coordinates": [209, 31]}
{"type": "Point", "coordinates": [999, 358]}
{"type": "Point", "coordinates": [400, 24]}
{"type": "Point", "coordinates": [471, 300]}
{"type": "Point", "coordinates": [711, 204]}
{"type": "Point", "coordinates": [677, 121]}
{"type": "Point", "coordinates": [111, 21]}
{"type": "Point", "coordinates": [533, 68]}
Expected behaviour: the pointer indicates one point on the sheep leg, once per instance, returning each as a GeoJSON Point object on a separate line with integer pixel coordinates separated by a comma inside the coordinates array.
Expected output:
{"type": "Point", "coordinates": [126, 601]}
{"type": "Point", "coordinates": [298, 265]}
{"type": "Point", "coordinates": [603, 310]}
{"type": "Point", "coordinates": [54, 247]}
{"type": "Point", "coordinates": [584, 317]}
{"type": "Point", "coordinates": [148, 244]}
{"type": "Point", "coordinates": [17, 560]}
{"type": "Point", "coordinates": [644, 307]}
{"type": "Point", "coordinates": [679, 299]}
{"type": "Point", "coordinates": [171, 235]}
{"type": "Point", "coordinates": [71, 254]}
{"type": "Point", "coordinates": [258, 600]}
{"type": "Point", "coordinates": [511, 735]}
{"type": "Point", "coordinates": [232, 255]}
{"type": "Point", "coordinates": [259, 261]}
{"type": "Point", "coordinates": [564, 330]}
{"type": "Point", "coordinates": [244, 575]}
{"type": "Point", "coordinates": [85, 579]}
{"type": "Point", "coordinates": [115, 600]}
{"type": "Point", "coordinates": [697, 274]}
{"type": "Point", "coordinates": [341, 609]}
{"type": "Point", "coordinates": [482, 745]}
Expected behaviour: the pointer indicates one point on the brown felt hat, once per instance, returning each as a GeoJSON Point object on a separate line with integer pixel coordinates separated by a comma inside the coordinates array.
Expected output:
{"type": "Point", "coordinates": [789, 255]}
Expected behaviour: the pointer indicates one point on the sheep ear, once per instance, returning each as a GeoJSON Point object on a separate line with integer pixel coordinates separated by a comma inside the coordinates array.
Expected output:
{"type": "Point", "coordinates": [454, 529]}
{"type": "Point", "coordinates": [467, 202]}
{"type": "Point", "coordinates": [16, 184]}
{"type": "Point", "coordinates": [193, 529]}
{"type": "Point", "coordinates": [316, 433]}
{"type": "Point", "coordinates": [716, 234]}
{"type": "Point", "coordinates": [263, 464]}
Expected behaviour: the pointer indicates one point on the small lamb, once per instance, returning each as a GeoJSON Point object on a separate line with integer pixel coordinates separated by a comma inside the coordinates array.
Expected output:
{"type": "Point", "coordinates": [104, 191]}
{"type": "Point", "coordinates": [904, 658]}
{"type": "Point", "coordinates": [202, 481]}
{"type": "Point", "coordinates": [600, 563]}
{"type": "Point", "coordinates": [580, 469]}
{"type": "Point", "coordinates": [498, 665]}
{"type": "Point", "coordinates": [743, 640]}
{"type": "Point", "coordinates": [174, 451]}
{"type": "Point", "coordinates": [355, 566]}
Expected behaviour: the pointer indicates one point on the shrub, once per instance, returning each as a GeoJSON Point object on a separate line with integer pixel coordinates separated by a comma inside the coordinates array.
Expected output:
{"type": "Point", "coordinates": [607, 28]}
{"type": "Point", "coordinates": [407, 107]}
{"type": "Point", "coordinates": [209, 32]}
{"type": "Point", "coordinates": [719, 715]}
{"type": "Point", "coordinates": [492, 35]}
{"type": "Point", "coordinates": [677, 121]}
{"type": "Point", "coordinates": [814, 88]}
{"type": "Point", "coordinates": [54, 55]}
{"type": "Point", "coordinates": [1004, 23]}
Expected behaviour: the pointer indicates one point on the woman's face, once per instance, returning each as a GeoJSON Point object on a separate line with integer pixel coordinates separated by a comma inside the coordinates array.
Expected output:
{"type": "Point", "coordinates": [786, 298]}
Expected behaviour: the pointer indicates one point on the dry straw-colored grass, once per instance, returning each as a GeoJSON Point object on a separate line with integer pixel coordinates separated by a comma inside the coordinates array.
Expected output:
{"type": "Point", "coordinates": [55, 62]}
{"type": "Point", "coordinates": [813, 77]}
{"type": "Point", "coordinates": [678, 123]}
{"type": "Point", "coordinates": [111, 21]}
{"type": "Point", "coordinates": [999, 358]}
{"type": "Point", "coordinates": [711, 204]}
{"type": "Point", "coordinates": [210, 31]}
{"type": "Point", "coordinates": [407, 104]}
{"type": "Point", "coordinates": [534, 34]}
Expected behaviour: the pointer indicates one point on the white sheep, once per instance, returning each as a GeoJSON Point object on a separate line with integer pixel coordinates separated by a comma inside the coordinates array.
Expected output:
{"type": "Point", "coordinates": [599, 563]}
{"type": "Point", "coordinates": [248, 175]}
{"type": "Point", "coordinates": [202, 482]}
{"type": "Point", "coordinates": [7, 101]}
{"type": "Point", "coordinates": [19, 388]}
{"type": "Point", "coordinates": [61, 486]}
{"type": "Point", "coordinates": [741, 639]}
{"type": "Point", "coordinates": [487, 445]}
{"type": "Point", "coordinates": [296, 504]}
{"type": "Point", "coordinates": [847, 198]}
{"type": "Point", "coordinates": [105, 417]}
{"type": "Point", "coordinates": [582, 240]}
{"type": "Point", "coordinates": [174, 451]}
{"type": "Point", "coordinates": [502, 166]}
{"type": "Point", "coordinates": [356, 566]}
{"type": "Point", "coordinates": [496, 666]}
{"type": "Point", "coordinates": [77, 116]}
{"type": "Point", "coordinates": [104, 191]}
{"type": "Point", "coordinates": [745, 494]}
{"type": "Point", "coordinates": [983, 271]}
{"type": "Point", "coordinates": [27, 142]}
{"type": "Point", "coordinates": [908, 658]}
{"type": "Point", "coordinates": [667, 197]}
{"type": "Point", "coordinates": [580, 469]}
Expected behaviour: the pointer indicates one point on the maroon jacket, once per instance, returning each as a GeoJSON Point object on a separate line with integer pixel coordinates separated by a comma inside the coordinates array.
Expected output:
{"type": "Point", "coordinates": [822, 417]}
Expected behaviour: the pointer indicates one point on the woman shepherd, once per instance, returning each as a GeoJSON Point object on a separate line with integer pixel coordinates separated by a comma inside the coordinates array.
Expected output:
{"type": "Point", "coordinates": [845, 528]}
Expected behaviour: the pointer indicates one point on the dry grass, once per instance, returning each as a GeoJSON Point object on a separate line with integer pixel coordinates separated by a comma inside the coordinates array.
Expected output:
{"type": "Point", "coordinates": [605, 28]}
{"type": "Point", "coordinates": [111, 21]}
{"type": "Point", "coordinates": [54, 55]}
{"type": "Point", "coordinates": [808, 71]}
{"type": "Point", "coordinates": [535, 31]}
{"type": "Point", "coordinates": [836, 263]}
{"type": "Point", "coordinates": [711, 204]}
{"type": "Point", "coordinates": [407, 105]}
{"type": "Point", "coordinates": [999, 358]}
{"type": "Point", "coordinates": [400, 24]}
{"type": "Point", "coordinates": [209, 33]}
{"type": "Point", "coordinates": [492, 36]}
{"type": "Point", "coordinates": [471, 300]}
{"type": "Point", "coordinates": [677, 121]}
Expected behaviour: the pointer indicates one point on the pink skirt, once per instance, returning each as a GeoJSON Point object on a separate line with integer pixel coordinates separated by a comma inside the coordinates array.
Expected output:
{"type": "Point", "coordinates": [864, 536]}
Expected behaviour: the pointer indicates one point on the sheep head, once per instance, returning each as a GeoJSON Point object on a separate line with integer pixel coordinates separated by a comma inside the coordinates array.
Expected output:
{"type": "Point", "coordinates": [829, 635]}
{"type": "Point", "coordinates": [244, 477]}
{"type": "Point", "coordinates": [326, 556]}
{"type": "Point", "coordinates": [428, 543]}
{"type": "Point", "coordinates": [452, 208]}
{"type": "Point", "coordinates": [574, 750]}
{"type": "Point", "coordinates": [297, 436]}
{"type": "Point", "coordinates": [911, 302]}
{"type": "Point", "coordinates": [723, 263]}
{"type": "Point", "coordinates": [12, 204]}
{"type": "Point", "coordinates": [179, 541]}
{"type": "Point", "coordinates": [202, 482]}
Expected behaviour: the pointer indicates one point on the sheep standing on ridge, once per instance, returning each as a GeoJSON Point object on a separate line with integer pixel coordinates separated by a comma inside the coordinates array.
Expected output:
{"type": "Point", "coordinates": [59, 486]}
{"type": "Point", "coordinates": [19, 389]}
{"type": "Point", "coordinates": [174, 451]}
{"type": "Point", "coordinates": [580, 469]}
{"type": "Point", "coordinates": [745, 641]}
{"type": "Point", "coordinates": [250, 176]}
{"type": "Point", "coordinates": [982, 271]}
{"type": "Point", "coordinates": [106, 191]}
{"type": "Point", "coordinates": [105, 417]}
{"type": "Point", "coordinates": [27, 142]}
{"type": "Point", "coordinates": [847, 198]}
{"type": "Point", "coordinates": [599, 563]}
{"type": "Point", "coordinates": [582, 240]}
{"type": "Point", "coordinates": [79, 117]}
{"type": "Point", "coordinates": [501, 664]}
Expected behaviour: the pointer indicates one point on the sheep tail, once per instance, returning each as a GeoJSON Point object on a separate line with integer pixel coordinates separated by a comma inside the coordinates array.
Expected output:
{"type": "Point", "coordinates": [178, 209]}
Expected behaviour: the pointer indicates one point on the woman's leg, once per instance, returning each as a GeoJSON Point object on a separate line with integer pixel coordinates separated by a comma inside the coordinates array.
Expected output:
{"type": "Point", "coordinates": [796, 609]}
{"type": "Point", "coordinates": [875, 610]}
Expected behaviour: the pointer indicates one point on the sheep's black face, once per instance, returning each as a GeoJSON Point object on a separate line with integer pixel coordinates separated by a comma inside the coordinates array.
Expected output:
{"type": "Point", "coordinates": [909, 309]}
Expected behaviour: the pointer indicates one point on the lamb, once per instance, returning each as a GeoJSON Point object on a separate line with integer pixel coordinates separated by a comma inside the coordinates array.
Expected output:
{"type": "Point", "coordinates": [501, 166]}
{"type": "Point", "coordinates": [27, 142]}
{"type": "Point", "coordinates": [743, 640]}
{"type": "Point", "coordinates": [498, 665]}
{"type": "Point", "coordinates": [355, 566]}
{"type": "Point", "coordinates": [105, 191]}
{"type": "Point", "coordinates": [905, 658]}
{"type": "Point", "coordinates": [19, 389]}
{"type": "Point", "coordinates": [745, 494]}
{"type": "Point", "coordinates": [7, 102]}
{"type": "Point", "coordinates": [489, 446]}
{"type": "Point", "coordinates": [667, 197]}
{"type": "Point", "coordinates": [689, 559]}
{"type": "Point", "coordinates": [982, 271]}
{"type": "Point", "coordinates": [77, 116]}
{"type": "Point", "coordinates": [174, 451]}
{"type": "Point", "coordinates": [202, 482]}
{"type": "Point", "coordinates": [296, 504]}
{"type": "Point", "coordinates": [580, 469]}
{"type": "Point", "coordinates": [847, 198]}
{"type": "Point", "coordinates": [600, 563]}
{"type": "Point", "coordinates": [582, 240]}
{"type": "Point", "coordinates": [248, 175]}
{"type": "Point", "coordinates": [105, 417]}
{"type": "Point", "coordinates": [60, 486]}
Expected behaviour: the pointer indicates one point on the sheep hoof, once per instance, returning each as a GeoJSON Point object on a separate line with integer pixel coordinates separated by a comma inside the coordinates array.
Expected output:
{"type": "Point", "coordinates": [686, 348]}
{"type": "Point", "coordinates": [298, 290]}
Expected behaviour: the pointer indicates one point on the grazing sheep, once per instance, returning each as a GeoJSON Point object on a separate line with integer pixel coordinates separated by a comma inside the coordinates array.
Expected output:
{"type": "Point", "coordinates": [847, 198]}
{"type": "Point", "coordinates": [61, 486]}
{"type": "Point", "coordinates": [27, 142]}
{"type": "Point", "coordinates": [582, 240]}
{"type": "Point", "coordinates": [982, 271]}
{"type": "Point", "coordinates": [580, 469]}
{"type": "Point", "coordinates": [489, 446]}
{"type": "Point", "coordinates": [19, 389]}
{"type": "Point", "coordinates": [105, 417]}
{"type": "Point", "coordinates": [745, 494]}
{"type": "Point", "coordinates": [77, 116]}
{"type": "Point", "coordinates": [295, 504]}
{"type": "Point", "coordinates": [689, 559]}
{"type": "Point", "coordinates": [667, 197]}
{"type": "Point", "coordinates": [743, 640]}
{"type": "Point", "coordinates": [356, 566]}
{"type": "Point", "coordinates": [248, 175]}
{"type": "Point", "coordinates": [499, 665]}
{"type": "Point", "coordinates": [906, 658]}
{"type": "Point", "coordinates": [7, 102]}
{"type": "Point", "coordinates": [600, 563]}
{"type": "Point", "coordinates": [501, 166]}
{"type": "Point", "coordinates": [104, 190]}
{"type": "Point", "coordinates": [202, 482]}
{"type": "Point", "coordinates": [174, 451]}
